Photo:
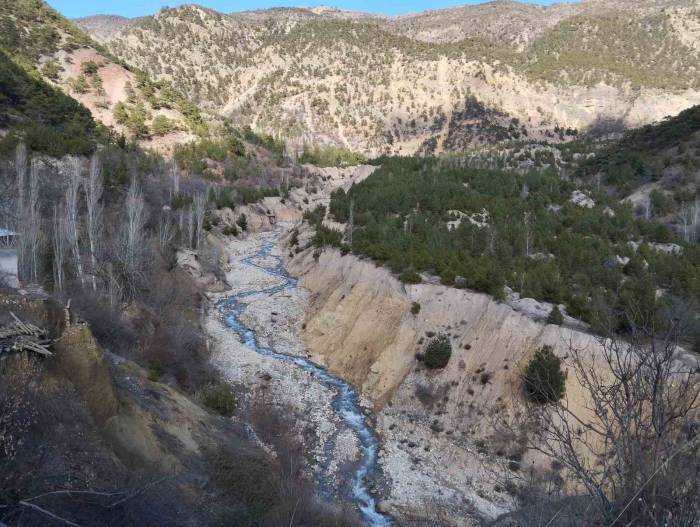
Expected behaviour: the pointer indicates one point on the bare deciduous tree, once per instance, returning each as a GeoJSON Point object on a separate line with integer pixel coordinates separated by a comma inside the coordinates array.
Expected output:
{"type": "Point", "coordinates": [634, 446]}
{"type": "Point", "coordinates": [199, 209]}
{"type": "Point", "coordinates": [32, 227]}
{"type": "Point", "coordinates": [689, 216]}
{"type": "Point", "coordinates": [133, 236]}
{"type": "Point", "coordinates": [190, 226]}
{"type": "Point", "coordinates": [72, 220]}
{"type": "Point", "coordinates": [59, 249]}
{"type": "Point", "coordinates": [166, 231]}
{"type": "Point", "coordinates": [21, 182]}
{"type": "Point", "coordinates": [93, 194]}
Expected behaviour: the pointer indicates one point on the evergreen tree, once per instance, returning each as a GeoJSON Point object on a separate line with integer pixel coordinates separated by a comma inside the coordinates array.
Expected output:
{"type": "Point", "coordinates": [438, 352]}
{"type": "Point", "coordinates": [543, 379]}
{"type": "Point", "coordinates": [242, 222]}
{"type": "Point", "coordinates": [555, 317]}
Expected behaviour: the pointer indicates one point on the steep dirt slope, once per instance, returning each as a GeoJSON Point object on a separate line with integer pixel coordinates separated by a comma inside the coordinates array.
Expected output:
{"type": "Point", "coordinates": [135, 451]}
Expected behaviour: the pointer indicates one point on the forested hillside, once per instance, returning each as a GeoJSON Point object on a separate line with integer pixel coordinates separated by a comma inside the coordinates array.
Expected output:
{"type": "Point", "coordinates": [46, 46]}
{"type": "Point", "coordinates": [432, 82]}
{"type": "Point", "coordinates": [49, 120]}
{"type": "Point", "coordinates": [485, 229]}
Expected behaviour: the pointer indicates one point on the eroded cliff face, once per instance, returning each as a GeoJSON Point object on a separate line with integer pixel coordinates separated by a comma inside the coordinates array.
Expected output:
{"type": "Point", "coordinates": [360, 324]}
{"type": "Point", "coordinates": [437, 426]}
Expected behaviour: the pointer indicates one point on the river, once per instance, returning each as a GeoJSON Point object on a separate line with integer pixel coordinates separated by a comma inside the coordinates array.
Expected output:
{"type": "Point", "coordinates": [346, 402]}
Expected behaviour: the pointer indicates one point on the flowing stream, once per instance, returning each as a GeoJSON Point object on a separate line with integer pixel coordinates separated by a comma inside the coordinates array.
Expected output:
{"type": "Point", "coordinates": [346, 403]}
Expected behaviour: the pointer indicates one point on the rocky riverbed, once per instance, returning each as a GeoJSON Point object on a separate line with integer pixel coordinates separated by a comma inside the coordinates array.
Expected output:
{"type": "Point", "coordinates": [255, 330]}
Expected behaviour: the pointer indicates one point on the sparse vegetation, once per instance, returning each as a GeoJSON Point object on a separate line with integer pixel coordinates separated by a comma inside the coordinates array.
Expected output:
{"type": "Point", "coordinates": [219, 398]}
{"type": "Point", "coordinates": [438, 352]}
{"type": "Point", "coordinates": [343, 74]}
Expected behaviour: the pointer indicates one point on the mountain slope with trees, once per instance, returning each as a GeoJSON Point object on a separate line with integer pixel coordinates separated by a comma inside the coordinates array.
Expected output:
{"type": "Point", "coordinates": [49, 47]}
{"type": "Point", "coordinates": [437, 81]}
{"type": "Point", "coordinates": [542, 237]}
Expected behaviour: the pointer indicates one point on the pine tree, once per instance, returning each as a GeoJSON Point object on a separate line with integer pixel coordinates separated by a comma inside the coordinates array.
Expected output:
{"type": "Point", "coordinates": [555, 317]}
{"type": "Point", "coordinates": [438, 352]}
{"type": "Point", "coordinates": [544, 381]}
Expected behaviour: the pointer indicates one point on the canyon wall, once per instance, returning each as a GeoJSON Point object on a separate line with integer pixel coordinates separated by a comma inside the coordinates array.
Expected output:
{"type": "Point", "coordinates": [440, 451]}
{"type": "Point", "coordinates": [360, 325]}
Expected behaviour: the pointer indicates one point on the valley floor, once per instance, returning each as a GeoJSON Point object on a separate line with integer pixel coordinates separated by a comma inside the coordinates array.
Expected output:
{"type": "Point", "coordinates": [413, 484]}
{"type": "Point", "coordinates": [331, 447]}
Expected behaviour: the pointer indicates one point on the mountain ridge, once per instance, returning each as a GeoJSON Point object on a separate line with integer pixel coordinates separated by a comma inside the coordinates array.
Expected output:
{"type": "Point", "coordinates": [416, 83]}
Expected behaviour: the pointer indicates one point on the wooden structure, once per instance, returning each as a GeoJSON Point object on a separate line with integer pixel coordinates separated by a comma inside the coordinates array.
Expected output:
{"type": "Point", "coordinates": [19, 336]}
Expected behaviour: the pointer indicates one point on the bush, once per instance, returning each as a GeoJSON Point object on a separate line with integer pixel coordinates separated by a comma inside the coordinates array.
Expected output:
{"type": "Point", "coordinates": [409, 276]}
{"type": "Point", "coordinates": [242, 222]}
{"type": "Point", "coordinates": [555, 317]}
{"type": "Point", "coordinates": [415, 308]}
{"type": "Point", "coordinates": [438, 352]}
{"type": "Point", "coordinates": [155, 372]}
{"type": "Point", "coordinates": [79, 84]}
{"type": "Point", "coordinates": [89, 68]}
{"type": "Point", "coordinates": [325, 236]}
{"type": "Point", "coordinates": [230, 230]}
{"type": "Point", "coordinates": [161, 125]}
{"type": "Point", "coordinates": [544, 381]}
{"type": "Point", "coordinates": [294, 239]}
{"type": "Point", "coordinates": [219, 398]}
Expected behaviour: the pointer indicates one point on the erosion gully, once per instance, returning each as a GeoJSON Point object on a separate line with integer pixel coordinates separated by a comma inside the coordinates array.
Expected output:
{"type": "Point", "coordinates": [346, 403]}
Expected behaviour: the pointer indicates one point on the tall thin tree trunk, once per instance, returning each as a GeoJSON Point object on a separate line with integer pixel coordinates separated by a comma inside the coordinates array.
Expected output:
{"type": "Point", "coordinates": [93, 194]}
{"type": "Point", "coordinates": [190, 227]}
{"type": "Point", "coordinates": [33, 221]}
{"type": "Point", "coordinates": [135, 210]}
{"type": "Point", "coordinates": [58, 248]}
{"type": "Point", "coordinates": [72, 193]}
{"type": "Point", "coordinates": [199, 210]}
{"type": "Point", "coordinates": [21, 216]}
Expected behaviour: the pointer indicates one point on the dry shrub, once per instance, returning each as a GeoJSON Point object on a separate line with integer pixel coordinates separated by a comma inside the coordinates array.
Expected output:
{"type": "Point", "coordinates": [290, 496]}
{"type": "Point", "coordinates": [108, 325]}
